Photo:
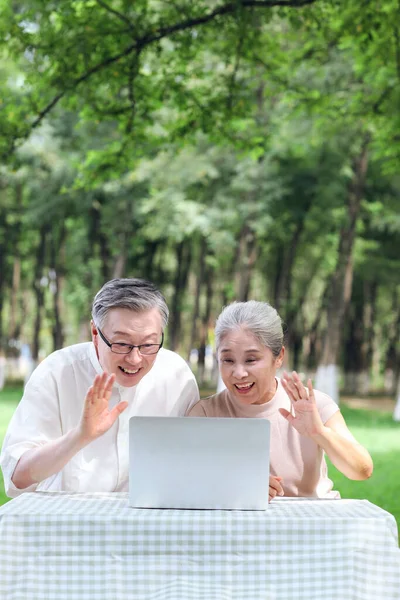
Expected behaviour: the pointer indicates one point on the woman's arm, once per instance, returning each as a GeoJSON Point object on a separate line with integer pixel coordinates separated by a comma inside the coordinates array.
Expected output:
{"type": "Point", "coordinates": [352, 459]}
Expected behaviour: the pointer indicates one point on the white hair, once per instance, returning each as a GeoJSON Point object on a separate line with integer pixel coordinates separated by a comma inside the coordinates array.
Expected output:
{"type": "Point", "coordinates": [259, 318]}
{"type": "Point", "coordinates": [135, 294]}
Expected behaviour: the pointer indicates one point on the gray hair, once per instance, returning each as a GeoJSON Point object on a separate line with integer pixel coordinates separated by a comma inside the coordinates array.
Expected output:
{"type": "Point", "coordinates": [259, 318]}
{"type": "Point", "coordinates": [135, 294]}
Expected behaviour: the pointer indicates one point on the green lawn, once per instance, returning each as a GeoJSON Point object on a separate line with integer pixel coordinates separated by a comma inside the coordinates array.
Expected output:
{"type": "Point", "coordinates": [9, 399]}
{"type": "Point", "coordinates": [376, 430]}
{"type": "Point", "coordinates": [381, 436]}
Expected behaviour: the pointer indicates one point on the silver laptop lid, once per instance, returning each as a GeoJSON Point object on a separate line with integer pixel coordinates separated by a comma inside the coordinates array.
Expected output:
{"type": "Point", "coordinates": [203, 463]}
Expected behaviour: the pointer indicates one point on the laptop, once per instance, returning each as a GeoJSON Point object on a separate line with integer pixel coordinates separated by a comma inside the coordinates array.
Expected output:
{"type": "Point", "coordinates": [199, 463]}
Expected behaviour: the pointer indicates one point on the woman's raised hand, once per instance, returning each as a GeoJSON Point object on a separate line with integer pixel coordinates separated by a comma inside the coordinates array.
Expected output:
{"type": "Point", "coordinates": [306, 419]}
{"type": "Point", "coordinates": [96, 417]}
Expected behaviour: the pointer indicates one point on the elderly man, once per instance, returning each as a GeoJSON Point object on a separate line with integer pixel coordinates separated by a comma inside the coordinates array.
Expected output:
{"type": "Point", "coordinates": [70, 430]}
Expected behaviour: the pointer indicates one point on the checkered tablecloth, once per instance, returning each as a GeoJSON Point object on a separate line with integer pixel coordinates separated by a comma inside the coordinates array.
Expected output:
{"type": "Point", "coordinates": [60, 546]}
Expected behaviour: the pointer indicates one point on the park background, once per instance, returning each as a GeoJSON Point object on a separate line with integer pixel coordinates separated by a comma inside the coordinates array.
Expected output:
{"type": "Point", "coordinates": [225, 151]}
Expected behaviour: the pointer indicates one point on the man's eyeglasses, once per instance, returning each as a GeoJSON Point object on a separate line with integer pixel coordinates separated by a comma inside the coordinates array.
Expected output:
{"type": "Point", "coordinates": [144, 349]}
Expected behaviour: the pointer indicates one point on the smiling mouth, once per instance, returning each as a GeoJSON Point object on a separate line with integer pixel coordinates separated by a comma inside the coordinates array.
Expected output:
{"type": "Point", "coordinates": [128, 372]}
{"type": "Point", "coordinates": [243, 387]}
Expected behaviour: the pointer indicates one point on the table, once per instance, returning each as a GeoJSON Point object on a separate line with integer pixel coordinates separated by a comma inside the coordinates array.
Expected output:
{"type": "Point", "coordinates": [61, 546]}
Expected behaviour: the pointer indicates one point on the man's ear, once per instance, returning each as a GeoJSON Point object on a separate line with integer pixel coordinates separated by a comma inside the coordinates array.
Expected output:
{"type": "Point", "coordinates": [95, 336]}
{"type": "Point", "coordinates": [93, 330]}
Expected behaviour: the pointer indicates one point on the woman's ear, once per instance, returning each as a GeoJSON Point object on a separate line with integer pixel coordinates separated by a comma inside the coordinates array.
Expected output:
{"type": "Point", "coordinates": [279, 358]}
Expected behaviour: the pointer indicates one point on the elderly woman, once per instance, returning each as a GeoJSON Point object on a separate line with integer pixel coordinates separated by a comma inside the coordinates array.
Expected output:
{"type": "Point", "coordinates": [305, 423]}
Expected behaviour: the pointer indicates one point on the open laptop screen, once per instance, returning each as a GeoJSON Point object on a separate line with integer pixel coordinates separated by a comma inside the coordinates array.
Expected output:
{"type": "Point", "coordinates": [213, 463]}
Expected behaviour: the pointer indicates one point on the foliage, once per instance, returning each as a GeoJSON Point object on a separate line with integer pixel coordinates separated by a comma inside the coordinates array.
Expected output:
{"type": "Point", "coordinates": [208, 146]}
{"type": "Point", "coordinates": [158, 71]}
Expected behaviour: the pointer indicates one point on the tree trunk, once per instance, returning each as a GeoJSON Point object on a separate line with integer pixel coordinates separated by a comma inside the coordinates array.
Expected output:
{"type": "Point", "coordinates": [327, 376]}
{"type": "Point", "coordinates": [183, 260]}
{"type": "Point", "coordinates": [369, 314]}
{"type": "Point", "coordinates": [396, 413]}
{"type": "Point", "coordinates": [278, 262]}
{"type": "Point", "coordinates": [230, 275]}
{"type": "Point", "coordinates": [2, 288]}
{"type": "Point", "coordinates": [205, 324]}
{"type": "Point", "coordinates": [57, 329]}
{"type": "Point", "coordinates": [14, 327]}
{"type": "Point", "coordinates": [4, 246]}
{"type": "Point", "coordinates": [392, 359]}
{"type": "Point", "coordinates": [56, 274]}
{"type": "Point", "coordinates": [119, 265]}
{"type": "Point", "coordinates": [353, 360]}
{"type": "Point", "coordinates": [159, 272]}
{"type": "Point", "coordinates": [296, 336]}
{"type": "Point", "coordinates": [97, 239]}
{"type": "Point", "coordinates": [312, 338]}
{"type": "Point", "coordinates": [150, 253]}
{"type": "Point", "coordinates": [199, 285]}
{"type": "Point", "coordinates": [284, 279]}
{"type": "Point", "coordinates": [39, 291]}
{"type": "Point", "coordinates": [14, 303]}
{"type": "Point", "coordinates": [120, 261]}
{"type": "Point", "coordinates": [248, 253]}
{"type": "Point", "coordinates": [358, 340]}
{"type": "Point", "coordinates": [296, 346]}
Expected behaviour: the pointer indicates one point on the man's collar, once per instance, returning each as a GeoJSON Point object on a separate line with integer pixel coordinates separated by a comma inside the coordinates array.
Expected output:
{"type": "Point", "coordinates": [94, 360]}
{"type": "Point", "coordinates": [98, 368]}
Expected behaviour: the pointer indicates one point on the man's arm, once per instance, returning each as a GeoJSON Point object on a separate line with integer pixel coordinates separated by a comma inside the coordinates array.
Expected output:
{"type": "Point", "coordinates": [38, 464]}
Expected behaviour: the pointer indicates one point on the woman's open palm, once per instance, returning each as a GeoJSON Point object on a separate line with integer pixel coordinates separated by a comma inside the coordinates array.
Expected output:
{"type": "Point", "coordinates": [306, 419]}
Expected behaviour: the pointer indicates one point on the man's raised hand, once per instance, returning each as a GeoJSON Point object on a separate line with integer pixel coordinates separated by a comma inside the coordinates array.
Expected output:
{"type": "Point", "coordinates": [96, 417]}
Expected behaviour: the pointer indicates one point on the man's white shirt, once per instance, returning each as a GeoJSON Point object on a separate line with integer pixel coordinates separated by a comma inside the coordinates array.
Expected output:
{"type": "Point", "coordinates": [52, 405]}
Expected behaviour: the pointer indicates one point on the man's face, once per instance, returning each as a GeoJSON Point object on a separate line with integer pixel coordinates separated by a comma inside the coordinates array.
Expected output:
{"type": "Point", "coordinates": [125, 326]}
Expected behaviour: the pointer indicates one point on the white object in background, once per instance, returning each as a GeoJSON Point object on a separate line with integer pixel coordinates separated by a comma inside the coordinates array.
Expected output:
{"type": "Point", "coordinates": [26, 363]}
{"type": "Point", "coordinates": [2, 371]}
{"type": "Point", "coordinates": [396, 413]}
{"type": "Point", "coordinates": [326, 380]}
{"type": "Point", "coordinates": [220, 386]}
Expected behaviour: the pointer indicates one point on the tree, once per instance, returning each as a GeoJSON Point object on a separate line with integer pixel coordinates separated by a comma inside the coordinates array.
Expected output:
{"type": "Point", "coordinates": [126, 63]}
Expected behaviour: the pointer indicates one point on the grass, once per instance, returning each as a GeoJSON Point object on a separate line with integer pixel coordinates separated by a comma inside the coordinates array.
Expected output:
{"type": "Point", "coordinates": [381, 436]}
{"type": "Point", "coordinates": [374, 429]}
{"type": "Point", "coordinates": [9, 398]}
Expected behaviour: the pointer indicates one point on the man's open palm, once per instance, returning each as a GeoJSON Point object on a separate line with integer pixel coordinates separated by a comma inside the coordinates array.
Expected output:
{"type": "Point", "coordinates": [97, 418]}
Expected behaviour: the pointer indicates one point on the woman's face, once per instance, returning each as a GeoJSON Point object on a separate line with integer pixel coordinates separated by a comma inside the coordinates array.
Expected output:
{"type": "Point", "coordinates": [247, 367]}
